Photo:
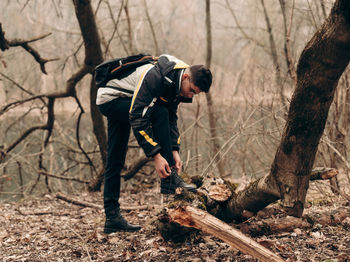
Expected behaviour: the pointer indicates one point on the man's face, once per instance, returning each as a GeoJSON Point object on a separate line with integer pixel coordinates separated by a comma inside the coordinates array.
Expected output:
{"type": "Point", "coordinates": [188, 89]}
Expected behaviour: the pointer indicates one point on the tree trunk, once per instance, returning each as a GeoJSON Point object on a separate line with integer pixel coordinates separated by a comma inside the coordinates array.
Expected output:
{"type": "Point", "coordinates": [321, 64]}
{"type": "Point", "coordinates": [211, 115]}
{"type": "Point", "coordinates": [93, 56]}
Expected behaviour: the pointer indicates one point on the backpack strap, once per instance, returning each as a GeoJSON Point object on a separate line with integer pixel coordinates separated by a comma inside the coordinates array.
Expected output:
{"type": "Point", "coordinates": [121, 89]}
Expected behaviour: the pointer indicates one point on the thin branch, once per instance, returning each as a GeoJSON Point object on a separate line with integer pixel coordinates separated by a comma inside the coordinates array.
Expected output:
{"type": "Point", "coordinates": [23, 136]}
{"type": "Point", "coordinates": [6, 44]}
{"type": "Point", "coordinates": [24, 6]}
{"type": "Point", "coordinates": [89, 204]}
{"type": "Point", "coordinates": [287, 47]}
{"type": "Point", "coordinates": [136, 168]}
{"type": "Point", "coordinates": [312, 15]}
{"type": "Point", "coordinates": [44, 173]}
{"type": "Point", "coordinates": [240, 27]}
{"type": "Point", "coordinates": [78, 137]}
{"type": "Point", "coordinates": [19, 42]}
{"type": "Point", "coordinates": [16, 84]}
{"type": "Point", "coordinates": [126, 9]}
{"type": "Point", "coordinates": [70, 91]}
{"type": "Point", "coordinates": [157, 51]}
{"type": "Point", "coordinates": [20, 102]}
{"type": "Point", "coordinates": [115, 22]}
{"type": "Point", "coordinates": [323, 9]}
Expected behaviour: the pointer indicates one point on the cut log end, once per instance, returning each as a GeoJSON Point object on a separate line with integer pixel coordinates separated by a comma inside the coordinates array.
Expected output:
{"type": "Point", "coordinates": [220, 193]}
{"type": "Point", "coordinates": [323, 173]}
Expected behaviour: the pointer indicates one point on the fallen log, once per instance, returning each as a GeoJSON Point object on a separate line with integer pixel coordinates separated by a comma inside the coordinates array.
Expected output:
{"type": "Point", "coordinates": [221, 198]}
{"type": "Point", "coordinates": [97, 206]}
{"type": "Point", "coordinates": [196, 218]}
{"type": "Point", "coordinates": [323, 173]}
{"type": "Point", "coordinates": [288, 224]}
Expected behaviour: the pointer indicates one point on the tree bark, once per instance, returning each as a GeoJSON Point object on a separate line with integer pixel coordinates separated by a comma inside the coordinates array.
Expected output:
{"type": "Point", "coordinates": [194, 217]}
{"type": "Point", "coordinates": [93, 57]}
{"type": "Point", "coordinates": [320, 66]}
{"type": "Point", "coordinates": [211, 115]}
{"type": "Point", "coordinates": [288, 224]}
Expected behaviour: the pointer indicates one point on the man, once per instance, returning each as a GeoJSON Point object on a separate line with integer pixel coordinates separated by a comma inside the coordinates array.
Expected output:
{"type": "Point", "coordinates": [147, 100]}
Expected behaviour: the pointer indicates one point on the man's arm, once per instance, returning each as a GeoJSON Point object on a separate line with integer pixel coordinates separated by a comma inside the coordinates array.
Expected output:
{"type": "Point", "coordinates": [140, 118]}
{"type": "Point", "coordinates": [175, 137]}
{"type": "Point", "coordinates": [147, 91]}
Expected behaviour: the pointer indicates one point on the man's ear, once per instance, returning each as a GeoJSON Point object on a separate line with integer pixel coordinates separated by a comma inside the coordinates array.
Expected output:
{"type": "Point", "coordinates": [185, 76]}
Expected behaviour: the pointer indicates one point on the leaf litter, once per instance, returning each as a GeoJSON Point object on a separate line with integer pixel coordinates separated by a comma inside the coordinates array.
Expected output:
{"type": "Point", "coordinates": [48, 229]}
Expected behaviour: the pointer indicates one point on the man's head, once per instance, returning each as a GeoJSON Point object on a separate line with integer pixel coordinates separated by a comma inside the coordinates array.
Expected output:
{"type": "Point", "coordinates": [196, 79]}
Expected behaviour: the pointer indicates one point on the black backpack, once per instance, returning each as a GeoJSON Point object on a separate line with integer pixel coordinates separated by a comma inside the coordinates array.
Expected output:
{"type": "Point", "coordinates": [119, 68]}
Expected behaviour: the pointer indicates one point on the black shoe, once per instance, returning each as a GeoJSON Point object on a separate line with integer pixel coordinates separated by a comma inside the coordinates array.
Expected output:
{"type": "Point", "coordinates": [118, 223]}
{"type": "Point", "coordinates": [168, 185]}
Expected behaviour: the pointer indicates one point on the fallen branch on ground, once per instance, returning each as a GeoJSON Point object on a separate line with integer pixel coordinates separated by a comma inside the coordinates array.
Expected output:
{"type": "Point", "coordinates": [92, 205]}
{"type": "Point", "coordinates": [288, 224]}
{"type": "Point", "coordinates": [193, 217]}
{"type": "Point", "coordinates": [136, 168]}
{"type": "Point", "coordinates": [323, 173]}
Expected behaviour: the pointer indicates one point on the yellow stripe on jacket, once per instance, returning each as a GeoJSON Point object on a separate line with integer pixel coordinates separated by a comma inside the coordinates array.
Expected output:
{"type": "Point", "coordinates": [148, 139]}
{"type": "Point", "coordinates": [139, 85]}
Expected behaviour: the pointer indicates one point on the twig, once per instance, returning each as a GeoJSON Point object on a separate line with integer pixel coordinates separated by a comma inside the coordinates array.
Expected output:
{"type": "Point", "coordinates": [157, 52]}
{"type": "Point", "coordinates": [78, 137]}
{"type": "Point", "coordinates": [133, 171]}
{"type": "Point", "coordinates": [6, 44]}
{"type": "Point", "coordinates": [92, 205]}
{"type": "Point", "coordinates": [63, 177]}
{"type": "Point", "coordinates": [77, 202]}
{"type": "Point", "coordinates": [41, 213]}
{"type": "Point", "coordinates": [84, 242]}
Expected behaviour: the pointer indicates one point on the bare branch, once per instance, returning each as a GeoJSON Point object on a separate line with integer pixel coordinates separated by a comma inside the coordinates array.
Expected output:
{"type": "Point", "coordinates": [20, 102]}
{"type": "Point", "coordinates": [16, 84]}
{"type": "Point", "coordinates": [63, 177]}
{"type": "Point", "coordinates": [312, 15]}
{"type": "Point", "coordinates": [157, 51]}
{"type": "Point", "coordinates": [241, 29]}
{"type": "Point", "coordinates": [287, 47]}
{"type": "Point", "coordinates": [115, 30]}
{"type": "Point", "coordinates": [126, 9]}
{"type": "Point", "coordinates": [78, 137]}
{"type": "Point", "coordinates": [92, 205]}
{"type": "Point", "coordinates": [136, 168]}
{"type": "Point", "coordinates": [6, 44]}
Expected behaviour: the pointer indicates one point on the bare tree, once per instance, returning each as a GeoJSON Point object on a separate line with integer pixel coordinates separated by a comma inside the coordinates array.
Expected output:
{"type": "Point", "coordinates": [320, 66]}
{"type": "Point", "coordinates": [93, 56]}
{"type": "Point", "coordinates": [212, 119]}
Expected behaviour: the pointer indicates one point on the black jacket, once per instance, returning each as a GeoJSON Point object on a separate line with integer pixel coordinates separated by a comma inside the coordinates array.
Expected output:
{"type": "Point", "coordinates": [159, 84]}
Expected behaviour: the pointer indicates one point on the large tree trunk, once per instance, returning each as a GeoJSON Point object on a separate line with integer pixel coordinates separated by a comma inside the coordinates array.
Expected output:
{"type": "Point", "coordinates": [93, 56]}
{"type": "Point", "coordinates": [321, 64]}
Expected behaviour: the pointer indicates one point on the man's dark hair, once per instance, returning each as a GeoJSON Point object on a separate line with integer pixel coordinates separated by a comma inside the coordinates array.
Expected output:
{"type": "Point", "coordinates": [201, 77]}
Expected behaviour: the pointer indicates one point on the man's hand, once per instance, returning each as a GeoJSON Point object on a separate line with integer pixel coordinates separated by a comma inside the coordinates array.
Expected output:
{"type": "Point", "coordinates": [162, 166]}
{"type": "Point", "coordinates": [178, 162]}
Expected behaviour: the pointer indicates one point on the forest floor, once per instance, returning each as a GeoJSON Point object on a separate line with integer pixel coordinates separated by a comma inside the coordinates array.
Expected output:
{"type": "Point", "coordinates": [49, 229]}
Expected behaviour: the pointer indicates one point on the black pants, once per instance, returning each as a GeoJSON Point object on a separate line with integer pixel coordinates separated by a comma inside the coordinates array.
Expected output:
{"type": "Point", "coordinates": [117, 113]}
